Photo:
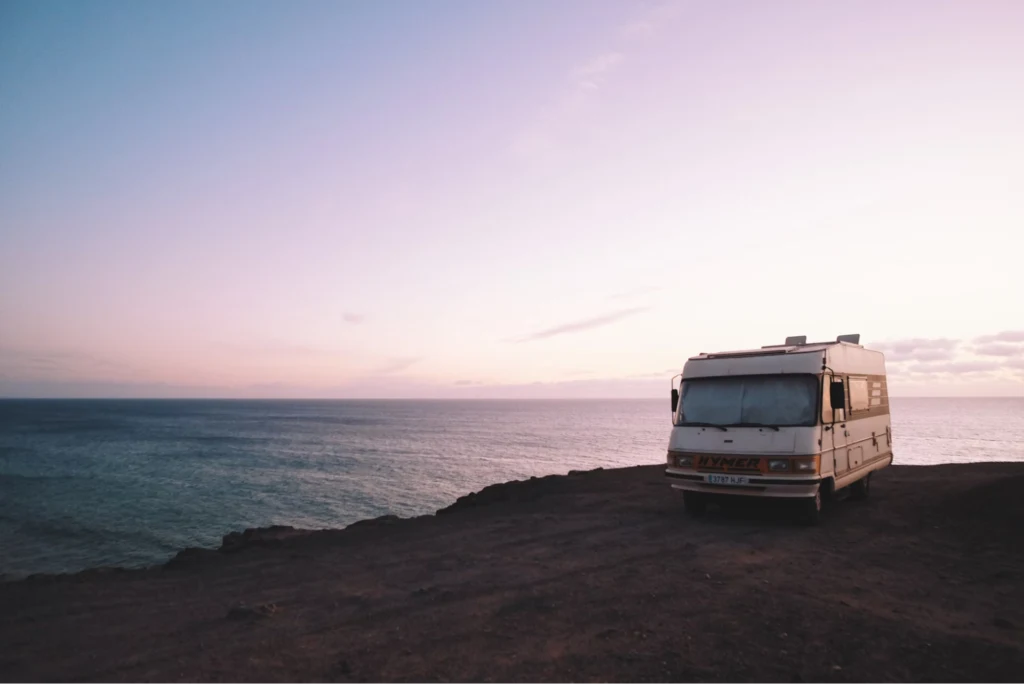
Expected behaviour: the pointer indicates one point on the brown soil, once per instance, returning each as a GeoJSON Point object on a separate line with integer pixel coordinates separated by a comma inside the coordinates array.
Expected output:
{"type": "Point", "coordinates": [592, 576]}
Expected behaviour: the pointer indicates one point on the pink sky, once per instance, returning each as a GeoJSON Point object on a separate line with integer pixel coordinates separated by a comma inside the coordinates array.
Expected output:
{"type": "Point", "coordinates": [504, 199]}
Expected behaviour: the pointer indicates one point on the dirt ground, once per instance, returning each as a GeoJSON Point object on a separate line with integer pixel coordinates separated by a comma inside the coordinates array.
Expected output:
{"type": "Point", "coordinates": [593, 576]}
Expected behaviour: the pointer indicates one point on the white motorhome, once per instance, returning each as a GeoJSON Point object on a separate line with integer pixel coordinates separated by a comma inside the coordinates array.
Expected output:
{"type": "Point", "coordinates": [798, 420]}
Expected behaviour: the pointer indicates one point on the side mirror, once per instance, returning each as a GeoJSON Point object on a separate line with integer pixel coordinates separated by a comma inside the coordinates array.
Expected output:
{"type": "Point", "coordinates": [837, 395]}
{"type": "Point", "coordinates": [675, 399]}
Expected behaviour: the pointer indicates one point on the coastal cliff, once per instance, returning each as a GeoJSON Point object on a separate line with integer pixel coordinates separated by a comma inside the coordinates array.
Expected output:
{"type": "Point", "coordinates": [596, 575]}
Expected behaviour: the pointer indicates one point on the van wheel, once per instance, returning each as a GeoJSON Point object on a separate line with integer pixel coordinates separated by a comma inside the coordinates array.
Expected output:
{"type": "Point", "coordinates": [860, 489]}
{"type": "Point", "coordinates": [810, 509]}
{"type": "Point", "coordinates": [828, 490]}
{"type": "Point", "coordinates": [694, 503]}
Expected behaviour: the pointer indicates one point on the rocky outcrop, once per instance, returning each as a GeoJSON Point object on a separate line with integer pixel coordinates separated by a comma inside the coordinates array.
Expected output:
{"type": "Point", "coordinates": [515, 491]}
{"type": "Point", "coordinates": [259, 536]}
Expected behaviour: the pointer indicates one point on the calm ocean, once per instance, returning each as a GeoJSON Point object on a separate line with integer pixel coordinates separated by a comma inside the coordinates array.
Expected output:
{"type": "Point", "coordinates": [86, 483]}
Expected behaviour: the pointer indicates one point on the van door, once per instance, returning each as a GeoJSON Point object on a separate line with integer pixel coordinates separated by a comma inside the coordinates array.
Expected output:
{"type": "Point", "coordinates": [838, 430]}
{"type": "Point", "coordinates": [870, 420]}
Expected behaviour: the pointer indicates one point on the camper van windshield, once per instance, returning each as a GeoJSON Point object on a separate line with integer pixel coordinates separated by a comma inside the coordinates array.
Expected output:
{"type": "Point", "coordinates": [774, 400]}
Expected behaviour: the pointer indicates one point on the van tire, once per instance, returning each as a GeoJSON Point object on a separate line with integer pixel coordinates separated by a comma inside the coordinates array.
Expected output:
{"type": "Point", "coordinates": [695, 503]}
{"type": "Point", "coordinates": [810, 509]}
{"type": "Point", "coordinates": [860, 489]}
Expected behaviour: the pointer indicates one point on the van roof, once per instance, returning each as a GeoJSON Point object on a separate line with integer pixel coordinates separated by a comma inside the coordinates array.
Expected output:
{"type": "Point", "coordinates": [774, 349]}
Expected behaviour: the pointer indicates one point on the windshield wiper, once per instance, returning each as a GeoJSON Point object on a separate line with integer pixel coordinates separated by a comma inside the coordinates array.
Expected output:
{"type": "Point", "coordinates": [699, 424]}
{"type": "Point", "coordinates": [760, 425]}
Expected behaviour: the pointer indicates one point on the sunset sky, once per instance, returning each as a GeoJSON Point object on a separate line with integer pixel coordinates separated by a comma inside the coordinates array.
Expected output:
{"type": "Point", "coordinates": [517, 198]}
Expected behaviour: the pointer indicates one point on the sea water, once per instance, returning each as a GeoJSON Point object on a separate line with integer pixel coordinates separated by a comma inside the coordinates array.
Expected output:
{"type": "Point", "coordinates": [85, 483]}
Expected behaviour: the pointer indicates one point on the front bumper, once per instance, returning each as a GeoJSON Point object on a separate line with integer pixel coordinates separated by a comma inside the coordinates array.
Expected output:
{"type": "Point", "coordinates": [771, 487]}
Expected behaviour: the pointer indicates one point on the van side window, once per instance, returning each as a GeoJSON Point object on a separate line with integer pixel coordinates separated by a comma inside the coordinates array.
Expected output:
{"type": "Point", "coordinates": [858, 394]}
{"type": "Point", "coordinates": [878, 394]}
{"type": "Point", "coordinates": [827, 414]}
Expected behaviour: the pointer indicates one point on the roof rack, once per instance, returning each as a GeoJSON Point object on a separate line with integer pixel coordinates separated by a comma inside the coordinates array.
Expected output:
{"type": "Point", "coordinates": [748, 352]}
{"type": "Point", "coordinates": [801, 341]}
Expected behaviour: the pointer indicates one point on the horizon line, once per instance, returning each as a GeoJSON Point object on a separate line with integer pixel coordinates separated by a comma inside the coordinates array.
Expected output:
{"type": "Point", "coordinates": [236, 398]}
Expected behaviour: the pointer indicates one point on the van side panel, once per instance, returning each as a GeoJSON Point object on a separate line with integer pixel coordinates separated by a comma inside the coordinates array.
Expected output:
{"type": "Point", "coordinates": [868, 442]}
{"type": "Point", "coordinates": [863, 440]}
{"type": "Point", "coordinates": [844, 359]}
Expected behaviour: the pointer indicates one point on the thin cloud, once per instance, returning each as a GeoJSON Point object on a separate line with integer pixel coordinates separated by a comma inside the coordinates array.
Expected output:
{"type": "Point", "coordinates": [541, 138]}
{"type": "Point", "coordinates": [64, 360]}
{"type": "Point", "coordinates": [1000, 349]}
{"type": "Point", "coordinates": [1005, 336]}
{"type": "Point", "coordinates": [354, 318]}
{"type": "Point", "coordinates": [956, 367]}
{"type": "Point", "coordinates": [941, 360]}
{"type": "Point", "coordinates": [918, 349]}
{"type": "Point", "coordinates": [999, 353]}
{"type": "Point", "coordinates": [398, 364]}
{"type": "Point", "coordinates": [640, 28]}
{"type": "Point", "coordinates": [539, 141]}
{"type": "Point", "coordinates": [923, 355]}
{"type": "Point", "coordinates": [590, 75]}
{"type": "Point", "coordinates": [648, 23]}
{"type": "Point", "coordinates": [585, 324]}
{"type": "Point", "coordinates": [280, 348]}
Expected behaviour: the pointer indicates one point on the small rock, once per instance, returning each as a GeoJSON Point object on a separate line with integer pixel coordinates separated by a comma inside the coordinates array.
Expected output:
{"type": "Point", "coordinates": [836, 668]}
{"type": "Point", "coordinates": [707, 576]}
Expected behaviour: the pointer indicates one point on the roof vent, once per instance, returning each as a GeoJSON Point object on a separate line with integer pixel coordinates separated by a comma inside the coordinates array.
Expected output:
{"type": "Point", "coordinates": [852, 339]}
{"type": "Point", "coordinates": [796, 340]}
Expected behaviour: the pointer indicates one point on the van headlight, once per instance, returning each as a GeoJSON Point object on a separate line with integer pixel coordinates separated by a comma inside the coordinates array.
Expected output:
{"type": "Point", "coordinates": [777, 464]}
{"type": "Point", "coordinates": [807, 466]}
{"type": "Point", "coordinates": [684, 461]}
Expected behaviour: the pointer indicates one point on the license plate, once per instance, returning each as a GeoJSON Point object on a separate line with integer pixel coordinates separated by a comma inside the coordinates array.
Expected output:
{"type": "Point", "coordinates": [728, 479]}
